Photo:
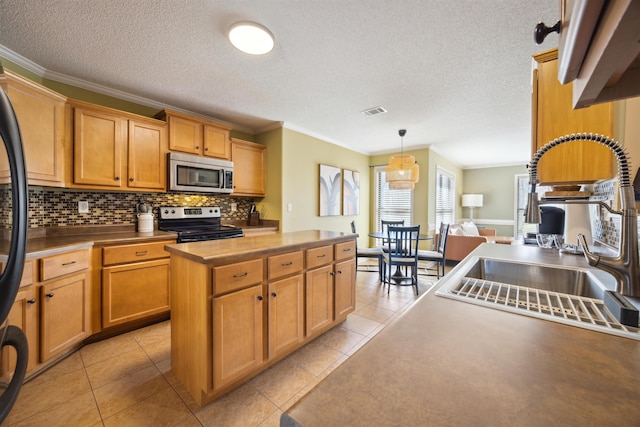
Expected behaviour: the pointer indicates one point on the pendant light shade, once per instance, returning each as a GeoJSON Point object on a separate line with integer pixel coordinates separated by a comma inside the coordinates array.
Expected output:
{"type": "Point", "coordinates": [402, 173]}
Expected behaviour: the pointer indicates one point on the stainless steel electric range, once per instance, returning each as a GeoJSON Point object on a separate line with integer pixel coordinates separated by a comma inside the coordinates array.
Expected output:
{"type": "Point", "coordinates": [195, 224]}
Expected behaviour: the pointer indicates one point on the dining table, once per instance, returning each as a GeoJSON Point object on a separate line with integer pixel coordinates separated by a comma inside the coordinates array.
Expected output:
{"type": "Point", "coordinates": [397, 276]}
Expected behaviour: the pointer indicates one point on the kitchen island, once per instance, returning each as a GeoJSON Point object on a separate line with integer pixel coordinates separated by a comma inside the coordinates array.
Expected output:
{"type": "Point", "coordinates": [240, 305]}
{"type": "Point", "coordinates": [446, 362]}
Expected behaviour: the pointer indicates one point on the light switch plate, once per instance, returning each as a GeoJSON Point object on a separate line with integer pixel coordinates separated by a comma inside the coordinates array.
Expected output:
{"type": "Point", "coordinates": [83, 207]}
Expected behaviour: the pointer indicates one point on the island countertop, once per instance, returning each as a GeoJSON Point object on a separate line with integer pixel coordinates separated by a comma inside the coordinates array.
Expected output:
{"type": "Point", "coordinates": [446, 362]}
{"type": "Point", "coordinates": [229, 250]}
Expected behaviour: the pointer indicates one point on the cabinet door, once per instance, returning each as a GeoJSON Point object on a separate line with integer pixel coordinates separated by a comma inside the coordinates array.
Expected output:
{"type": "Point", "coordinates": [185, 135]}
{"type": "Point", "coordinates": [98, 148]}
{"type": "Point", "coordinates": [248, 168]}
{"type": "Point", "coordinates": [319, 304]}
{"type": "Point", "coordinates": [147, 155]}
{"type": "Point", "coordinates": [40, 114]}
{"type": "Point", "coordinates": [286, 314]}
{"type": "Point", "coordinates": [216, 142]}
{"type": "Point", "coordinates": [134, 291]}
{"type": "Point", "coordinates": [24, 315]}
{"type": "Point", "coordinates": [554, 116]}
{"type": "Point", "coordinates": [345, 288]}
{"type": "Point", "coordinates": [64, 314]}
{"type": "Point", "coordinates": [237, 334]}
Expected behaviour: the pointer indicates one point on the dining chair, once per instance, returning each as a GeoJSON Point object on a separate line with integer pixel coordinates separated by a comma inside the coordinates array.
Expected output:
{"type": "Point", "coordinates": [402, 253]}
{"type": "Point", "coordinates": [369, 253]}
{"type": "Point", "coordinates": [385, 224]}
{"type": "Point", "coordinates": [438, 256]}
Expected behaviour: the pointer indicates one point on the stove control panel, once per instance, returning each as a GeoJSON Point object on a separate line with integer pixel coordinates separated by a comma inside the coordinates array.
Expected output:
{"type": "Point", "coordinates": [187, 212]}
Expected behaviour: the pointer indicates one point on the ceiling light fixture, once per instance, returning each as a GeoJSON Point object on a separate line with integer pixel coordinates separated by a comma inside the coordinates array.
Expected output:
{"type": "Point", "coordinates": [251, 38]}
{"type": "Point", "coordinates": [402, 173]}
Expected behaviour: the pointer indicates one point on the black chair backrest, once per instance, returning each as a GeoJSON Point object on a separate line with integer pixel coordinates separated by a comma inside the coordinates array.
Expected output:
{"type": "Point", "coordinates": [394, 223]}
{"type": "Point", "coordinates": [353, 226]}
{"type": "Point", "coordinates": [442, 238]}
{"type": "Point", "coordinates": [403, 241]}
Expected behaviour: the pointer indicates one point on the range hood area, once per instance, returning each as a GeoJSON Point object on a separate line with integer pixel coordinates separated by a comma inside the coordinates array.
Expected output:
{"type": "Point", "coordinates": [599, 50]}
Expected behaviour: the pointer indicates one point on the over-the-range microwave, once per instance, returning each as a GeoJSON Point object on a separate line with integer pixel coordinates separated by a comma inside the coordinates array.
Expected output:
{"type": "Point", "coordinates": [199, 174]}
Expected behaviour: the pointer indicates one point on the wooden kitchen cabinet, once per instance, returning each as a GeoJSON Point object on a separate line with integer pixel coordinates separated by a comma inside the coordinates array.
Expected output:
{"type": "Point", "coordinates": [248, 168]}
{"type": "Point", "coordinates": [319, 289]}
{"type": "Point", "coordinates": [237, 334]}
{"type": "Point", "coordinates": [553, 116]}
{"type": "Point", "coordinates": [344, 277]}
{"type": "Point", "coordinates": [192, 135]}
{"type": "Point", "coordinates": [117, 150]}
{"type": "Point", "coordinates": [40, 113]}
{"type": "Point", "coordinates": [135, 282]}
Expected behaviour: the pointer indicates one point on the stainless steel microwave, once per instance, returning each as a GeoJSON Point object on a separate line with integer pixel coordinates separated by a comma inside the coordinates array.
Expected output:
{"type": "Point", "coordinates": [199, 174]}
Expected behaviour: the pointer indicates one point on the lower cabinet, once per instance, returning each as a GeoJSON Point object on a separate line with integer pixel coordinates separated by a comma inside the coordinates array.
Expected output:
{"type": "Point", "coordinates": [286, 314]}
{"type": "Point", "coordinates": [237, 334]}
{"type": "Point", "coordinates": [319, 299]}
{"type": "Point", "coordinates": [24, 315]}
{"type": "Point", "coordinates": [344, 291]}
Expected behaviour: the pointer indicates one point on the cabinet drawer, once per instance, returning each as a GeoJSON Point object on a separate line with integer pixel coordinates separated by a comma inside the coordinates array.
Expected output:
{"type": "Point", "coordinates": [236, 276]}
{"type": "Point", "coordinates": [28, 274]}
{"type": "Point", "coordinates": [345, 250]}
{"type": "Point", "coordinates": [319, 256]}
{"type": "Point", "coordinates": [59, 265]}
{"type": "Point", "coordinates": [123, 254]}
{"type": "Point", "coordinates": [285, 264]}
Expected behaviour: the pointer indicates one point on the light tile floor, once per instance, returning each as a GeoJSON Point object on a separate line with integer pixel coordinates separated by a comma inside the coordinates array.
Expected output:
{"type": "Point", "coordinates": [127, 380]}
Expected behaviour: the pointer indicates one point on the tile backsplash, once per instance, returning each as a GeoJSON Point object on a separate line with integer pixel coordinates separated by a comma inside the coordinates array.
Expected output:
{"type": "Point", "coordinates": [59, 207]}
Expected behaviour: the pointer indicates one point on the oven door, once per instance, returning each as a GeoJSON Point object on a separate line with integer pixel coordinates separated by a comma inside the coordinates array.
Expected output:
{"type": "Point", "coordinates": [198, 177]}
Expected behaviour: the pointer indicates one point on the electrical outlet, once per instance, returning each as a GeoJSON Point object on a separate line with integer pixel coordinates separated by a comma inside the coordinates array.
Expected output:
{"type": "Point", "coordinates": [234, 207]}
{"type": "Point", "coordinates": [289, 207]}
{"type": "Point", "coordinates": [83, 207]}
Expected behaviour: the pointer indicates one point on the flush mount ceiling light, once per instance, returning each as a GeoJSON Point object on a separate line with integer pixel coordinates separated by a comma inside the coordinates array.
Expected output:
{"type": "Point", "coordinates": [402, 173]}
{"type": "Point", "coordinates": [251, 38]}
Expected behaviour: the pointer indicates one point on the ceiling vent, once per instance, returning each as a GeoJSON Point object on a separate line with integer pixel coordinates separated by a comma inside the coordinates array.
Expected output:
{"type": "Point", "coordinates": [373, 111]}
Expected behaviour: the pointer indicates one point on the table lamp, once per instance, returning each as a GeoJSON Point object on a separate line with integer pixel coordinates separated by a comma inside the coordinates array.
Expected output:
{"type": "Point", "coordinates": [471, 201]}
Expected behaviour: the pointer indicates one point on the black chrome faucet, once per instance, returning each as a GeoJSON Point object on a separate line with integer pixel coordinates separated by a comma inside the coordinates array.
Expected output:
{"type": "Point", "coordinates": [625, 266]}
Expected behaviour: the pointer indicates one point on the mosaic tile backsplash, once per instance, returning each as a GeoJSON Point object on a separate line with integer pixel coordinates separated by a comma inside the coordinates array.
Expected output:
{"type": "Point", "coordinates": [59, 207]}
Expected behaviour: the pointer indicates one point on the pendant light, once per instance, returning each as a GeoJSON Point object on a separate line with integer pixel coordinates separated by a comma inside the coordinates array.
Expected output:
{"type": "Point", "coordinates": [402, 173]}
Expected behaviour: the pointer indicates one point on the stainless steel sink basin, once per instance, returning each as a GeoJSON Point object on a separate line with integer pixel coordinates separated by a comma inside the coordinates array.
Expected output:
{"type": "Point", "coordinates": [554, 279]}
{"type": "Point", "coordinates": [565, 295]}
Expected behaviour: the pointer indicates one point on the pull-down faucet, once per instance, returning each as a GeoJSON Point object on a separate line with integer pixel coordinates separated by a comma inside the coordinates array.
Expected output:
{"type": "Point", "coordinates": [625, 266]}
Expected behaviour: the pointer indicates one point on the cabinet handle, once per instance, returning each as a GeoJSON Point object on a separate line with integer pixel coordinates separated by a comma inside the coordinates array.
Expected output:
{"type": "Point", "coordinates": [130, 179]}
{"type": "Point", "coordinates": [197, 147]}
{"type": "Point", "coordinates": [259, 297]}
{"type": "Point", "coordinates": [322, 256]}
{"type": "Point", "coordinates": [66, 264]}
{"type": "Point", "coordinates": [117, 178]}
{"type": "Point", "coordinates": [31, 301]}
{"type": "Point", "coordinates": [50, 295]}
{"type": "Point", "coordinates": [287, 264]}
{"type": "Point", "coordinates": [273, 294]}
{"type": "Point", "coordinates": [240, 276]}
{"type": "Point", "coordinates": [346, 250]}
{"type": "Point", "coordinates": [331, 273]}
{"type": "Point", "coordinates": [339, 271]}
{"type": "Point", "coordinates": [206, 148]}
{"type": "Point", "coordinates": [141, 253]}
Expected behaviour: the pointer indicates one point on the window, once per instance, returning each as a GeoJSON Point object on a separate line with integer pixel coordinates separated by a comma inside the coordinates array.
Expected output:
{"type": "Point", "coordinates": [522, 190]}
{"type": "Point", "coordinates": [391, 205]}
{"type": "Point", "coordinates": [445, 197]}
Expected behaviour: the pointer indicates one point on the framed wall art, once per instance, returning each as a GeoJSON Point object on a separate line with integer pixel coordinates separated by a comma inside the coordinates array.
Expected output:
{"type": "Point", "coordinates": [330, 190]}
{"type": "Point", "coordinates": [350, 192]}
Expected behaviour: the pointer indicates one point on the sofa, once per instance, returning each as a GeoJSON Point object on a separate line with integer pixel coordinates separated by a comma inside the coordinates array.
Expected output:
{"type": "Point", "coordinates": [464, 238]}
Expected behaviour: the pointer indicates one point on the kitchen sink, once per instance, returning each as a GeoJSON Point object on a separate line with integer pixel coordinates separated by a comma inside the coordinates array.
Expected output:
{"type": "Point", "coordinates": [566, 295]}
{"type": "Point", "coordinates": [554, 279]}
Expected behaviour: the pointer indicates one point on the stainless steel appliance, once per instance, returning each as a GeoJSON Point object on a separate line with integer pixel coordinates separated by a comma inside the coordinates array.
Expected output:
{"type": "Point", "coordinates": [11, 335]}
{"type": "Point", "coordinates": [194, 224]}
{"type": "Point", "coordinates": [199, 174]}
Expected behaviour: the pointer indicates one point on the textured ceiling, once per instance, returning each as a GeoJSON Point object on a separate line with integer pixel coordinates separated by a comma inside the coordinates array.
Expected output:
{"type": "Point", "coordinates": [455, 74]}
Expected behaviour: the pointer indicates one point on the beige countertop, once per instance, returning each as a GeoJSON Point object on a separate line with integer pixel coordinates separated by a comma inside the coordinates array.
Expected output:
{"type": "Point", "coordinates": [231, 250]}
{"type": "Point", "coordinates": [446, 362]}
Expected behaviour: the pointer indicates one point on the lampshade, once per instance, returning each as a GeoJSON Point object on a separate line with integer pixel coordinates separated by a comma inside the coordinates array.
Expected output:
{"type": "Point", "coordinates": [403, 172]}
{"type": "Point", "coordinates": [472, 200]}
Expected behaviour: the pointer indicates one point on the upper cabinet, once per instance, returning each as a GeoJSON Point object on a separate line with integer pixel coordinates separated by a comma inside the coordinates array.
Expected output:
{"type": "Point", "coordinates": [553, 117]}
{"type": "Point", "coordinates": [40, 113]}
{"type": "Point", "coordinates": [116, 150]}
{"type": "Point", "coordinates": [599, 50]}
{"type": "Point", "coordinates": [189, 134]}
{"type": "Point", "coordinates": [248, 168]}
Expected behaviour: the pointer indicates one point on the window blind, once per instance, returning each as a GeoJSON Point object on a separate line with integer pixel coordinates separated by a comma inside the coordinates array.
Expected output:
{"type": "Point", "coordinates": [445, 197]}
{"type": "Point", "coordinates": [391, 205]}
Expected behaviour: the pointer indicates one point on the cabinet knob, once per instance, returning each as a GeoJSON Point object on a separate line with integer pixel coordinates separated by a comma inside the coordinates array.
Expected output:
{"type": "Point", "coordinates": [339, 271]}
{"type": "Point", "coordinates": [130, 179]}
{"type": "Point", "coordinates": [117, 178]}
{"type": "Point", "coordinates": [197, 147]}
{"type": "Point", "coordinates": [331, 273]}
{"type": "Point", "coordinates": [50, 295]}
{"type": "Point", "coordinates": [259, 297]}
{"type": "Point", "coordinates": [31, 301]}
{"type": "Point", "coordinates": [273, 294]}
{"type": "Point", "coordinates": [206, 148]}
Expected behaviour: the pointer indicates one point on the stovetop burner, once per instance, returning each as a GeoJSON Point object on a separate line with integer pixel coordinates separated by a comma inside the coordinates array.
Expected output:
{"type": "Point", "coordinates": [195, 223]}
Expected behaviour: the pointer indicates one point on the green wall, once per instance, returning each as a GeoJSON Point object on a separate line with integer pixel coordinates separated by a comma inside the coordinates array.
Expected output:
{"type": "Point", "coordinates": [497, 185]}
